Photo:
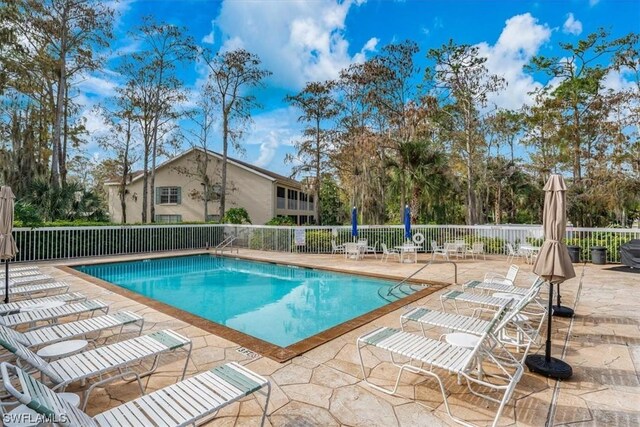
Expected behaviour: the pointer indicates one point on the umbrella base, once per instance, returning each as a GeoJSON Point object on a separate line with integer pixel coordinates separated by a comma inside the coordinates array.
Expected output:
{"type": "Point", "coordinates": [562, 311]}
{"type": "Point", "coordinates": [555, 368]}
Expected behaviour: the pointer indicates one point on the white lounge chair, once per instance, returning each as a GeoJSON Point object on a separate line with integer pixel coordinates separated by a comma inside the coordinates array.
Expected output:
{"type": "Point", "coordinates": [29, 280]}
{"type": "Point", "coordinates": [522, 331]}
{"type": "Point", "coordinates": [487, 301]}
{"type": "Point", "coordinates": [104, 364]}
{"type": "Point", "coordinates": [32, 271]}
{"type": "Point", "coordinates": [54, 314]}
{"type": "Point", "coordinates": [181, 404]}
{"type": "Point", "coordinates": [425, 355]}
{"type": "Point", "coordinates": [386, 253]}
{"type": "Point", "coordinates": [25, 290]}
{"type": "Point", "coordinates": [80, 328]}
{"type": "Point", "coordinates": [21, 268]}
{"type": "Point", "coordinates": [15, 307]}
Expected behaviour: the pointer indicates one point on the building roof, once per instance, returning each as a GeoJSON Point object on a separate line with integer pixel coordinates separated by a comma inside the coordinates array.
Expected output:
{"type": "Point", "coordinates": [272, 176]}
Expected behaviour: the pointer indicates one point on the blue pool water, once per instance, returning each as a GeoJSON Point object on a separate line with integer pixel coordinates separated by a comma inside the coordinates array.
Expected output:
{"type": "Point", "coordinates": [278, 304]}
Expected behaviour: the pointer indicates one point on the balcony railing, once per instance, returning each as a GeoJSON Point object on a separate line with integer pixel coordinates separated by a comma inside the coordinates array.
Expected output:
{"type": "Point", "coordinates": [51, 243]}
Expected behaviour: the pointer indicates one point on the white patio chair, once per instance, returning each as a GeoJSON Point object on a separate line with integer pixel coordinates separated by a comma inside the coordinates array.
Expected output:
{"type": "Point", "coordinates": [336, 249]}
{"type": "Point", "coordinates": [476, 249]}
{"type": "Point", "coordinates": [426, 356]}
{"type": "Point", "coordinates": [386, 253]}
{"type": "Point", "coordinates": [29, 280]}
{"type": "Point", "coordinates": [81, 328]}
{"type": "Point", "coordinates": [512, 253]}
{"type": "Point", "coordinates": [21, 268]}
{"type": "Point", "coordinates": [372, 250]}
{"type": "Point", "coordinates": [16, 306]}
{"type": "Point", "coordinates": [438, 250]}
{"type": "Point", "coordinates": [185, 403]}
{"type": "Point", "coordinates": [506, 279]}
{"type": "Point", "coordinates": [451, 249]}
{"type": "Point", "coordinates": [104, 364]}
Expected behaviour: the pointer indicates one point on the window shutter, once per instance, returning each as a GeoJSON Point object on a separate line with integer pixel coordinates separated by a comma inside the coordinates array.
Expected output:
{"type": "Point", "coordinates": [158, 192]}
{"type": "Point", "coordinates": [179, 195]}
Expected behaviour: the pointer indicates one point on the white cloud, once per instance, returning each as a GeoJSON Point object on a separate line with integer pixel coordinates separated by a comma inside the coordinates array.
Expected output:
{"type": "Point", "coordinates": [95, 85]}
{"type": "Point", "coordinates": [572, 25]}
{"type": "Point", "coordinates": [210, 38]}
{"type": "Point", "coordinates": [593, 2]}
{"type": "Point", "coordinates": [270, 132]}
{"type": "Point", "coordinates": [519, 41]}
{"type": "Point", "coordinates": [298, 40]}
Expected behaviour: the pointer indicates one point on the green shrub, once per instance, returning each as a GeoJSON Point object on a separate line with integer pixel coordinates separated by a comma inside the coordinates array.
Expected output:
{"type": "Point", "coordinates": [236, 216]}
{"type": "Point", "coordinates": [280, 220]}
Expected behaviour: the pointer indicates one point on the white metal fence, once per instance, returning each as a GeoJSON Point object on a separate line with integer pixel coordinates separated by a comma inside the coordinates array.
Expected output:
{"type": "Point", "coordinates": [51, 243]}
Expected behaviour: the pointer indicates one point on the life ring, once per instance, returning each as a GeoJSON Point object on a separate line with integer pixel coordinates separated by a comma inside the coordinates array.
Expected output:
{"type": "Point", "coordinates": [418, 238]}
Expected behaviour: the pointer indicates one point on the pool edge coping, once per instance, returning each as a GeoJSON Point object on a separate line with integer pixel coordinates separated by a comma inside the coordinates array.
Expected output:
{"type": "Point", "coordinates": [257, 345]}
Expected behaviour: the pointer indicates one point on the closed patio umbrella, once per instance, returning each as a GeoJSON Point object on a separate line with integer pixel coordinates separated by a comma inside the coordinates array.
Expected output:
{"type": "Point", "coordinates": [407, 222]}
{"type": "Point", "coordinates": [554, 265]}
{"type": "Point", "coordinates": [7, 244]}
{"type": "Point", "coordinates": [354, 222]}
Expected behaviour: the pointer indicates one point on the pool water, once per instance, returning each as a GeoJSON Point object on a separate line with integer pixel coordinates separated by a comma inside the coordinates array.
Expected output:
{"type": "Point", "coordinates": [276, 303]}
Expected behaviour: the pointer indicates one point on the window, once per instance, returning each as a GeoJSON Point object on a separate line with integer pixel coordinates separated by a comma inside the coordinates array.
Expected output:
{"type": "Point", "coordinates": [312, 220]}
{"type": "Point", "coordinates": [292, 202]}
{"type": "Point", "coordinates": [294, 218]}
{"type": "Point", "coordinates": [168, 218]}
{"type": "Point", "coordinates": [168, 195]}
{"type": "Point", "coordinates": [280, 193]}
{"type": "Point", "coordinates": [303, 220]}
{"type": "Point", "coordinates": [304, 197]}
{"type": "Point", "coordinates": [311, 203]}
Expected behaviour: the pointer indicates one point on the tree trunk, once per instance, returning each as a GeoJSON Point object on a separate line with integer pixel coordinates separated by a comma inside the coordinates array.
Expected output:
{"type": "Point", "coordinates": [577, 169]}
{"type": "Point", "coordinates": [152, 185]}
{"type": "Point", "coordinates": [125, 174]}
{"type": "Point", "coordinates": [497, 210]}
{"type": "Point", "coordinates": [65, 139]}
{"type": "Point", "coordinates": [145, 186]}
{"type": "Point", "coordinates": [472, 214]}
{"type": "Point", "coordinates": [225, 148]}
{"type": "Point", "coordinates": [318, 173]}
{"type": "Point", "coordinates": [59, 111]}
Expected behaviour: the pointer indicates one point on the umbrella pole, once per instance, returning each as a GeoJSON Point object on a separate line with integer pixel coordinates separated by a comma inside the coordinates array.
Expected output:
{"type": "Point", "coordinates": [561, 311]}
{"type": "Point", "coordinates": [545, 364]}
{"type": "Point", "coordinates": [6, 281]}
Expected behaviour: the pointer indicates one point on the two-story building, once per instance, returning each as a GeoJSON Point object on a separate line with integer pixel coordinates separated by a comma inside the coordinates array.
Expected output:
{"type": "Point", "coordinates": [179, 192]}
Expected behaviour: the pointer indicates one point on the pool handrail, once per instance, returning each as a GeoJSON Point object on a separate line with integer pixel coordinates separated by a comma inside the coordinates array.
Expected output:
{"type": "Point", "coordinates": [455, 273]}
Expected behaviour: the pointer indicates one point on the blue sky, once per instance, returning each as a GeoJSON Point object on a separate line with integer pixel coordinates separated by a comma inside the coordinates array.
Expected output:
{"type": "Point", "coordinates": [302, 41]}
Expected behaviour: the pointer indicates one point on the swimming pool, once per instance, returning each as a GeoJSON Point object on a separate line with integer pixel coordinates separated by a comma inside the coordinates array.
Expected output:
{"type": "Point", "coordinates": [276, 303]}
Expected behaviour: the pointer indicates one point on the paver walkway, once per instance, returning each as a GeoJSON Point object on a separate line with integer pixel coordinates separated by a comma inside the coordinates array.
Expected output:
{"type": "Point", "coordinates": [324, 386]}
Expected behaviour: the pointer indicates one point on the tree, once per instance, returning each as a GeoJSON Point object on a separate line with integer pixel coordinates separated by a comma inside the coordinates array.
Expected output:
{"type": "Point", "coordinates": [64, 34]}
{"type": "Point", "coordinates": [120, 142]}
{"type": "Point", "coordinates": [465, 83]}
{"type": "Point", "coordinates": [156, 92]}
{"type": "Point", "coordinates": [203, 116]}
{"type": "Point", "coordinates": [312, 158]}
{"type": "Point", "coordinates": [233, 74]}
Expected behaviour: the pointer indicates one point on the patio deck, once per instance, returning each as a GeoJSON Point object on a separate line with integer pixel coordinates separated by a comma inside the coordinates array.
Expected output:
{"type": "Point", "coordinates": [324, 386]}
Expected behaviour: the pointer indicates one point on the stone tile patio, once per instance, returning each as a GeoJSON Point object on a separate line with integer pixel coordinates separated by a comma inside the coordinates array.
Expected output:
{"type": "Point", "coordinates": [324, 386]}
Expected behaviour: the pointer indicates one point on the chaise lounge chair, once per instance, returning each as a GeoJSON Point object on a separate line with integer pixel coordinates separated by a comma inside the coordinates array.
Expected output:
{"type": "Point", "coordinates": [426, 354]}
{"type": "Point", "coordinates": [106, 364]}
{"type": "Point", "coordinates": [520, 333]}
{"type": "Point", "coordinates": [181, 404]}
{"type": "Point", "coordinates": [15, 307]}
{"type": "Point", "coordinates": [29, 280]}
{"type": "Point", "coordinates": [25, 290]}
{"type": "Point", "coordinates": [54, 314]}
{"type": "Point", "coordinates": [80, 328]}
